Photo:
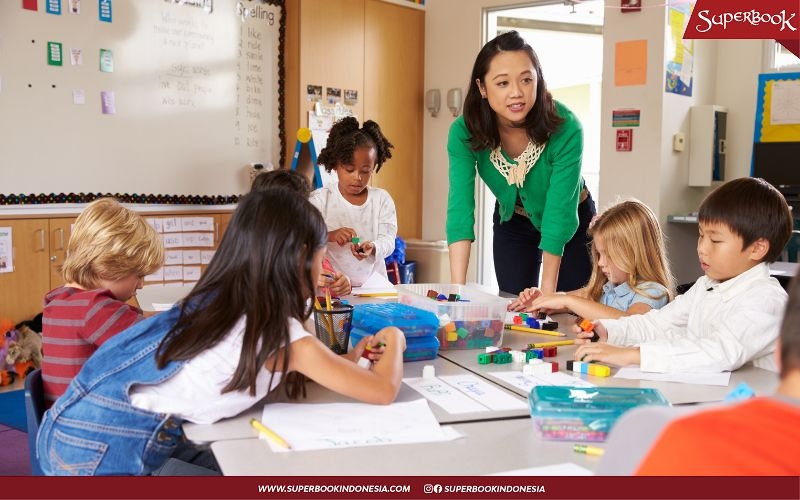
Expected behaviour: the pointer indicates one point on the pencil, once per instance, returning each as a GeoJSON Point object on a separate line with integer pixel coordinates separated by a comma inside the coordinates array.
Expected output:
{"type": "Point", "coordinates": [550, 344]}
{"type": "Point", "coordinates": [588, 450]}
{"type": "Point", "coordinates": [328, 298]}
{"type": "Point", "coordinates": [520, 328]}
{"type": "Point", "coordinates": [376, 294]}
{"type": "Point", "coordinates": [269, 434]}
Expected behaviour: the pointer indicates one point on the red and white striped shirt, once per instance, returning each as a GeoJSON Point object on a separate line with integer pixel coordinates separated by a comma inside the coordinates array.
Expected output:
{"type": "Point", "coordinates": [74, 324]}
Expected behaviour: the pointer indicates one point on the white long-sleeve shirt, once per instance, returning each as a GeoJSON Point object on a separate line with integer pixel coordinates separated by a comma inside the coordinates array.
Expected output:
{"type": "Point", "coordinates": [375, 221]}
{"type": "Point", "coordinates": [713, 327]}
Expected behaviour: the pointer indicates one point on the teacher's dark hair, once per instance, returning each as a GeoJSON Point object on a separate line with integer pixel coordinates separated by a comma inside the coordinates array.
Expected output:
{"type": "Point", "coordinates": [541, 122]}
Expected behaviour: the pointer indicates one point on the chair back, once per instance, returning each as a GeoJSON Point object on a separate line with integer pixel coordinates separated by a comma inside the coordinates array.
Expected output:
{"type": "Point", "coordinates": [34, 409]}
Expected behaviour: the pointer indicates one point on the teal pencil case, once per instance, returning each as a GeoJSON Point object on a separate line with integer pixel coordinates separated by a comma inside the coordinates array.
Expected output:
{"type": "Point", "coordinates": [585, 414]}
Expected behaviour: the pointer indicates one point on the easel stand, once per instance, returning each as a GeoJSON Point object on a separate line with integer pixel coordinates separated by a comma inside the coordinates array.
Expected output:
{"type": "Point", "coordinates": [305, 156]}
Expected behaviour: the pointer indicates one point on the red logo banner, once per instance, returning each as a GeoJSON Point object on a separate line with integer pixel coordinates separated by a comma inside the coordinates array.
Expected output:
{"type": "Point", "coordinates": [747, 19]}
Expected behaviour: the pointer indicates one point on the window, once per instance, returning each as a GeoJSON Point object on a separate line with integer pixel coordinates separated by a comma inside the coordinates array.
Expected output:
{"type": "Point", "coordinates": [777, 58]}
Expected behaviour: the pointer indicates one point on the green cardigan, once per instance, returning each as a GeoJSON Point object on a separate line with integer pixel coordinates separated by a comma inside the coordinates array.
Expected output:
{"type": "Point", "coordinates": [550, 193]}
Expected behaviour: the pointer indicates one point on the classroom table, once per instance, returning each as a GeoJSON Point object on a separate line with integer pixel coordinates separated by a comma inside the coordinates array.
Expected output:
{"type": "Point", "coordinates": [763, 382]}
{"type": "Point", "coordinates": [487, 447]}
{"type": "Point", "coordinates": [155, 298]}
{"type": "Point", "coordinates": [239, 427]}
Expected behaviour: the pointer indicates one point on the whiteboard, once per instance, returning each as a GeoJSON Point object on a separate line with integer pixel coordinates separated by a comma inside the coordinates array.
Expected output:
{"type": "Point", "coordinates": [196, 95]}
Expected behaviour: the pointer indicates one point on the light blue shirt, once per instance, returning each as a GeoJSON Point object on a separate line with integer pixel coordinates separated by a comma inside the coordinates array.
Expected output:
{"type": "Point", "coordinates": [622, 296]}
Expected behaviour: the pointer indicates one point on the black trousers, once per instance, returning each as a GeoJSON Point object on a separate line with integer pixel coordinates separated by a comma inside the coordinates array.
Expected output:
{"type": "Point", "coordinates": [517, 256]}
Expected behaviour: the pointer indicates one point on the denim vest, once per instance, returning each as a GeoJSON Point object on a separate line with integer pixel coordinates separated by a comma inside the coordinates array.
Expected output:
{"type": "Point", "coordinates": [92, 429]}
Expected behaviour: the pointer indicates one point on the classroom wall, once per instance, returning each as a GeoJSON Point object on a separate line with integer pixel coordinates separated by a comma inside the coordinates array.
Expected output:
{"type": "Point", "coordinates": [725, 74]}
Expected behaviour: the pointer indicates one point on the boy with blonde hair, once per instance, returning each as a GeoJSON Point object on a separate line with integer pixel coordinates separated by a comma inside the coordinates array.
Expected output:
{"type": "Point", "coordinates": [731, 315]}
{"type": "Point", "coordinates": [110, 251]}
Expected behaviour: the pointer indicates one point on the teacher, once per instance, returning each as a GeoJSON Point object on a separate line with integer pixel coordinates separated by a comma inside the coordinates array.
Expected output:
{"type": "Point", "coordinates": [527, 148]}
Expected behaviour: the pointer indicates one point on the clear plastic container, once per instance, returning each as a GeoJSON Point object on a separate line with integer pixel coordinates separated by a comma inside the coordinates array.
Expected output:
{"type": "Point", "coordinates": [474, 322]}
{"type": "Point", "coordinates": [585, 414]}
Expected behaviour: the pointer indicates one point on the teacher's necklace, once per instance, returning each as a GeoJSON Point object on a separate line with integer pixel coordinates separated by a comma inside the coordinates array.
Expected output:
{"type": "Point", "coordinates": [515, 174]}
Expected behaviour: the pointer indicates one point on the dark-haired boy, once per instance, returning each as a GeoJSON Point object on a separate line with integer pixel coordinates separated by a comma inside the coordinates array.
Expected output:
{"type": "Point", "coordinates": [732, 314]}
{"type": "Point", "coordinates": [749, 438]}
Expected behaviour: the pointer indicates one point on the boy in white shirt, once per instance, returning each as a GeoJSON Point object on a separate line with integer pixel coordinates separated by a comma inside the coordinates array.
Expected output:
{"type": "Point", "coordinates": [732, 314]}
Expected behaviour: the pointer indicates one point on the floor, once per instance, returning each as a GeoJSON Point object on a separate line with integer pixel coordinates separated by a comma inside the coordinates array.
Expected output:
{"type": "Point", "coordinates": [14, 458]}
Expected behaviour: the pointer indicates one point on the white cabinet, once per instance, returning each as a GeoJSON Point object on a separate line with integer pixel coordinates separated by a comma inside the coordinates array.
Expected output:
{"type": "Point", "coordinates": [707, 149]}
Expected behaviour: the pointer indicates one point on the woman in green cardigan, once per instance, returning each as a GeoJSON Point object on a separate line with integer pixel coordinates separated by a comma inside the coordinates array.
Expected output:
{"type": "Point", "coordinates": [527, 149]}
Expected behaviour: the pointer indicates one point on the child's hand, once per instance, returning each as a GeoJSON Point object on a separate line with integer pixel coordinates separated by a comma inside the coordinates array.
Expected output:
{"type": "Point", "coordinates": [551, 302]}
{"type": "Point", "coordinates": [526, 297]}
{"type": "Point", "coordinates": [340, 285]}
{"type": "Point", "coordinates": [342, 236]}
{"type": "Point", "coordinates": [362, 250]}
{"type": "Point", "coordinates": [586, 337]}
{"type": "Point", "coordinates": [607, 353]}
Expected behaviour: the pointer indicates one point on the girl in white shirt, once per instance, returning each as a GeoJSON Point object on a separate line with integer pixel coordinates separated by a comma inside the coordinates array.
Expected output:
{"type": "Point", "coordinates": [218, 352]}
{"type": "Point", "coordinates": [361, 220]}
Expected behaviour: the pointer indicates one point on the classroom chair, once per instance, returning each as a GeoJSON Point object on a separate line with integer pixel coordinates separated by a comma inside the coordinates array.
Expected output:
{"type": "Point", "coordinates": [34, 409]}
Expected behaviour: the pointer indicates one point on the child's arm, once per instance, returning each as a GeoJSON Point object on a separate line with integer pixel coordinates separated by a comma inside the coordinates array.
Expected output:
{"type": "Point", "coordinates": [587, 308]}
{"type": "Point", "coordinates": [378, 385]}
{"type": "Point", "coordinates": [342, 236]}
{"type": "Point", "coordinates": [529, 295]}
{"type": "Point", "coordinates": [607, 353]}
{"type": "Point", "coordinates": [386, 224]}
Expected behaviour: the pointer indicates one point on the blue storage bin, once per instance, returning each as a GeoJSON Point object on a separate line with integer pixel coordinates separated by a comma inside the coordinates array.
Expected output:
{"type": "Point", "coordinates": [417, 348]}
{"type": "Point", "coordinates": [585, 413]}
{"type": "Point", "coordinates": [414, 322]}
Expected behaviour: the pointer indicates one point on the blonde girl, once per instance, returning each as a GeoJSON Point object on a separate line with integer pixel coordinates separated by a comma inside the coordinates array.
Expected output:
{"type": "Point", "coordinates": [630, 270]}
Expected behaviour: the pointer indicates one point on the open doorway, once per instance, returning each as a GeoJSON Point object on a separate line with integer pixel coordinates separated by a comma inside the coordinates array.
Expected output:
{"type": "Point", "coordinates": [568, 38]}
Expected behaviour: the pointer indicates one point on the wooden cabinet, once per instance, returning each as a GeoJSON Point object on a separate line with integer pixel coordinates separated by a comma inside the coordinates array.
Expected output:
{"type": "Point", "coordinates": [39, 248]}
{"type": "Point", "coordinates": [23, 289]}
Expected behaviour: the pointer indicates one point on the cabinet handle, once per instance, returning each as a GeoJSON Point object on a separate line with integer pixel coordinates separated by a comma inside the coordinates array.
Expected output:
{"type": "Point", "coordinates": [216, 232]}
{"type": "Point", "coordinates": [53, 258]}
{"type": "Point", "coordinates": [60, 233]}
{"type": "Point", "coordinates": [41, 240]}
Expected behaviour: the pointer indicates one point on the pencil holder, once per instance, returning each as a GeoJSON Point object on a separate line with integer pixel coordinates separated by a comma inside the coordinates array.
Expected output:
{"type": "Point", "coordinates": [333, 326]}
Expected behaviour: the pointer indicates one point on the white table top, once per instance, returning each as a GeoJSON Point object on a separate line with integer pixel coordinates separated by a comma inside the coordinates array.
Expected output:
{"type": "Point", "coordinates": [763, 382]}
{"type": "Point", "coordinates": [487, 447]}
{"type": "Point", "coordinates": [239, 427]}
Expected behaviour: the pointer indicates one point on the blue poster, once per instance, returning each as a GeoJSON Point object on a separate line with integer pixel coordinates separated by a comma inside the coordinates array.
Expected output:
{"type": "Point", "coordinates": [105, 11]}
{"type": "Point", "coordinates": [53, 7]}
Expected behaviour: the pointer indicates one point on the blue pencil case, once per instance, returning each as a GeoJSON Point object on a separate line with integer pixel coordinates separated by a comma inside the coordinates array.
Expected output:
{"type": "Point", "coordinates": [414, 322]}
{"type": "Point", "coordinates": [417, 348]}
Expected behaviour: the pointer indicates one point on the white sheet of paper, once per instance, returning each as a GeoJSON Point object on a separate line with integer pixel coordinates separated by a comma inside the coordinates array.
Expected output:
{"type": "Point", "coordinates": [197, 223]}
{"type": "Point", "coordinates": [634, 373]}
{"type": "Point", "coordinates": [162, 307]}
{"type": "Point", "coordinates": [528, 382]}
{"type": "Point", "coordinates": [171, 224]}
{"type": "Point", "coordinates": [191, 257]}
{"type": "Point", "coordinates": [446, 396]}
{"type": "Point", "coordinates": [173, 273]}
{"type": "Point", "coordinates": [173, 240]}
{"type": "Point", "coordinates": [191, 273]}
{"type": "Point", "coordinates": [485, 392]}
{"type": "Point", "coordinates": [345, 425]}
{"type": "Point", "coordinates": [564, 469]}
{"type": "Point", "coordinates": [6, 249]}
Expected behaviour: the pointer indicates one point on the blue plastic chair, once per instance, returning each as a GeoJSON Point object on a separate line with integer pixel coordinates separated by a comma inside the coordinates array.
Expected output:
{"type": "Point", "coordinates": [34, 409]}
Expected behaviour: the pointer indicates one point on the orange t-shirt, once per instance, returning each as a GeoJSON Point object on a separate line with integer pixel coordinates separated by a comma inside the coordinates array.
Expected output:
{"type": "Point", "coordinates": [759, 437]}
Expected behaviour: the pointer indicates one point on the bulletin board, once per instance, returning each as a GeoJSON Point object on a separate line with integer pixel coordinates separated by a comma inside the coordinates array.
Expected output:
{"type": "Point", "coordinates": [778, 108]}
{"type": "Point", "coordinates": [167, 97]}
